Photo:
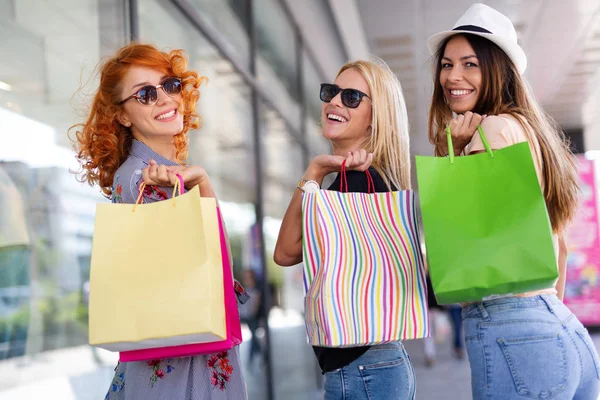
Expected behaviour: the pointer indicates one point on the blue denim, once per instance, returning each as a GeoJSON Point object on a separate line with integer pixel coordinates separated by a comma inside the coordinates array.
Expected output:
{"type": "Point", "coordinates": [384, 372]}
{"type": "Point", "coordinates": [529, 348]}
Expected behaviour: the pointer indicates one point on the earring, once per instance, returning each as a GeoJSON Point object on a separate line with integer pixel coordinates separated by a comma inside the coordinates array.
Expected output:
{"type": "Point", "coordinates": [128, 124]}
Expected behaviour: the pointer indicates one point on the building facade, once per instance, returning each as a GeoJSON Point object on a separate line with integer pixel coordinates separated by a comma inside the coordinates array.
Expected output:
{"type": "Point", "coordinates": [264, 60]}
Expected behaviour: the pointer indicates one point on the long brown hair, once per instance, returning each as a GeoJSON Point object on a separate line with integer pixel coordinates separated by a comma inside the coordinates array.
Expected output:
{"type": "Point", "coordinates": [102, 143]}
{"type": "Point", "coordinates": [389, 140]}
{"type": "Point", "coordinates": [504, 91]}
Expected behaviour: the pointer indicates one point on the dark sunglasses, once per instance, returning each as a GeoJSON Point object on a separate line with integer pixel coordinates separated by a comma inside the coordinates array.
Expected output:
{"type": "Point", "coordinates": [351, 98]}
{"type": "Point", "coordinates": [148, 95]}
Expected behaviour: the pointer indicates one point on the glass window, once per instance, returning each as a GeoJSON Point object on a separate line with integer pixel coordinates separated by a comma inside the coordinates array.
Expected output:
{"type": "Point", "coordinates": [47, 50]}
{"type": "Point", "coordinates": [283, 162]}
{"type": "Point", "coordinates": [224, 143]}
{"type": "Point", "coordinates": [230, 19]}
{"type": "Point", "coordinates": [282, 169]}
{"type": "Point", "coordinates": [276, 58]}
{"type": "Point", "coordinates": [311, 86]}
{"type": "Point", "coordinates": [276, 40]}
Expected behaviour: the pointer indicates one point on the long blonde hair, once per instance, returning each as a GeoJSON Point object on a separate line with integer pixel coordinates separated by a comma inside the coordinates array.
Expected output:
{"type": "Point", "coordinates": [505, 92]}
{"type": "Point", "coordinates": [389, 140]}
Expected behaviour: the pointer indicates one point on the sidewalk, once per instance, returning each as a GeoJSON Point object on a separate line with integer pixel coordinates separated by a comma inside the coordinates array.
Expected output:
{"type": "Point", "coordinates": [297, 376]}
{"type": "Point", "coordinates": [78, 373]}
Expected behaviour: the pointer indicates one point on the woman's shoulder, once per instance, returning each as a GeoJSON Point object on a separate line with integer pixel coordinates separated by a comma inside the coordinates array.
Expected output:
{"type": "Point", "coordinates": [130, 164]}
{"type": "Point", "coordinates": [495, 123]}
{"type": "Point", "coordinates": [127, 179]}
{"type": "Point", "coordinates": [508, 123]}
{"type": "Point", "coordinates": [504, 130]}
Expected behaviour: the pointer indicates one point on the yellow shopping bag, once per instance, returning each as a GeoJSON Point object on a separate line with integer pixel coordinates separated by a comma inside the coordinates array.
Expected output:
{"type": "Point", "coordinates": [156, 275]}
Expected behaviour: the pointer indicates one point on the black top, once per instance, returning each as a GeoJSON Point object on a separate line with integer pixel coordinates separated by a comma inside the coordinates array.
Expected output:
{"type": "Point", "coordinates": [332, 358]}
{"type": "Point", "coordinates": [431, 299]}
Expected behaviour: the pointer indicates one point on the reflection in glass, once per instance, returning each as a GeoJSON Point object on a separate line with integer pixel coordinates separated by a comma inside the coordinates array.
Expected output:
{"type": "Point", "coordinates": [276, 58]}
{"type": "Point", "coordinates": [311, 84]}
{"type": "Point", "coordinates": [230, 19]}
{"type": "Point", "coordinates": [223, 145]}
{"type": "Point", "coordinates": [46, 216]}
{"type": "Point", "coordinates": [282, 168]}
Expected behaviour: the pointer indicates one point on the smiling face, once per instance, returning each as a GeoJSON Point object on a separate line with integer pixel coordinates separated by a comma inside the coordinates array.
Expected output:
{"type": "Point", "coordinates": [460, 75]}
{"type": "Point", "coordinates": [344, 124]}
{"type": "Point", "coordinates": [150, 122]}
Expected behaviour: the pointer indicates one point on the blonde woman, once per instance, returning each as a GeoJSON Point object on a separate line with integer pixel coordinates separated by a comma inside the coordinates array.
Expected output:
{"type": "Point", "coordinates": [364, 117]}
{"type": "Point", "coordinates": [529, 345]}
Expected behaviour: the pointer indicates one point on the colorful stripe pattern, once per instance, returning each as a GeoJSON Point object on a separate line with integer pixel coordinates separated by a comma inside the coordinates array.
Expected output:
{"type": "Point", "coordinates": [364, 279]}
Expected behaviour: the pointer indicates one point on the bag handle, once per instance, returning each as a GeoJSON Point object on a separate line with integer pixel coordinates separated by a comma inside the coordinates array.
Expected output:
{"type": "Point", "coordinates": [344, 180]}
{"type": "Point", "coordinates": [177, 191]}
{"type": "Point", "coordinates": [488, 149]}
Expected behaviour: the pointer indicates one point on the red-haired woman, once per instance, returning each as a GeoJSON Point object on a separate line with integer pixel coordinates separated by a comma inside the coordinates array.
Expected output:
{"type": "Point", "coordinates": [137, 131]}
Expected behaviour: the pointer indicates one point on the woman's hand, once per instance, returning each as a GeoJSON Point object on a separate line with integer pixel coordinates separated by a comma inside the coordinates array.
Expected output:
{"type": "Point", "coordinates": [288, 249]}
{"type": "Point", "coordinates": [322, 165]}
{"type": "Point", "coordinates": [462, 129]}
{"type": "Point", "coordinates": [162, 175]}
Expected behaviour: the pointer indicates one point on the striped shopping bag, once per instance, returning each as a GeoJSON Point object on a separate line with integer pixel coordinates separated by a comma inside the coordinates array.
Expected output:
{"type": "Point", "coordinates": [364, 279]}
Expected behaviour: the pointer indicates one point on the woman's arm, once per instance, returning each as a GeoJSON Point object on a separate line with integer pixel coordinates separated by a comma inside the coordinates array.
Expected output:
{"type": "Point", "coordinates": [562, 267]}
{"type": "Point", "coordinates": [288, 250]}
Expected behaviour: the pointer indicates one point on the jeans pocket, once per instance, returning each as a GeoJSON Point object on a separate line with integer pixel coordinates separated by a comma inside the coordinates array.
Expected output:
{"type": "Point", "coordinates": [585, 336]}
{"type": "Point", "coordinates": [527, 356]}
{"type": "Point", "coordinates": [334, 385]}
{"type": "Point", "coordinates": [388, 379]}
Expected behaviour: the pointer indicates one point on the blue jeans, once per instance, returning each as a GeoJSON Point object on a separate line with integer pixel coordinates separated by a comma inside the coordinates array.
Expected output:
{"type": "Point", "coordinates": [383, 372]}
{"type": "Point", "coordinates": [529, 348]}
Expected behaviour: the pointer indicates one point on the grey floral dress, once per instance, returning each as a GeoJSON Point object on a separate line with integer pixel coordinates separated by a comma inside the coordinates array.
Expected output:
{"type": "Point", "coordinates": [204, 377]}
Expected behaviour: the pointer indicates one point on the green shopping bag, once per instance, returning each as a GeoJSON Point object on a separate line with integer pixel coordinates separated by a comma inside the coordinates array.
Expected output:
{"type": "Point", "coordinates": [487, 230]}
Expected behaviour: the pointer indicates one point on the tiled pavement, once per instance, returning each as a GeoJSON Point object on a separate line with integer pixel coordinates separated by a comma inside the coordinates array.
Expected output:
{"type": "Point", "coordinates": [77, 373]}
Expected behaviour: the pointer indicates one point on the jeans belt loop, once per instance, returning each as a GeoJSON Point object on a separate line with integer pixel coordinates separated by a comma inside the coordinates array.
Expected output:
{"type": "Point", "coordinates": [548, 303]}
{"type": "Point", "coordinates": [484, 314]}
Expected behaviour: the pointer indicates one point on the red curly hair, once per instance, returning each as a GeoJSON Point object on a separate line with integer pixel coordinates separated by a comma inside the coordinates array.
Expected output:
{"type": "Point", "coordinates": [102, 143]}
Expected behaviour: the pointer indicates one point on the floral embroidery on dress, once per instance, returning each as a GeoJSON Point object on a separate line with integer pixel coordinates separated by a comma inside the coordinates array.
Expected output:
{"type": "Point", "coordinates": [221, 370]}
{"type": "Point", "coordinates": [117, 384]}
{"type": "Point", "coordinates": [117, 192]}
{"type": "Point", "coordinates": [155, 192]}
{"type": "Point", "coordinates": [157, 371]}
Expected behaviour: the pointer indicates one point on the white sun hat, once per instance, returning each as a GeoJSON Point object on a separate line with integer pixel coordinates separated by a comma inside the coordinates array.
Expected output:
{"type": "Point", "coordinates": [484, 21]}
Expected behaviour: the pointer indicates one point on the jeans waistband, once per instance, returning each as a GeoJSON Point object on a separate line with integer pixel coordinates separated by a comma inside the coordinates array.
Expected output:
{"type": "Point", "coordinates": [387, 346]}
{"type": "Point", "coordinates": [483, 309]}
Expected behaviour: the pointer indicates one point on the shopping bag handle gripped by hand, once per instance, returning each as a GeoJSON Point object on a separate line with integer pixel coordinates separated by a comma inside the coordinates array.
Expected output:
{"type": "Point", "coordinates": [488, 149]}
{"type": "Point", "coordinates": [177, 191]}
{"type": "Point", "coordinates": [344, 180]}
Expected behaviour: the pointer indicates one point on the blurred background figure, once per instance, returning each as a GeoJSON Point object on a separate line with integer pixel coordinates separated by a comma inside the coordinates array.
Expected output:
{"type": "Point", "coordinates": [440, 328]}
{"type": "Point", "coordinates": [14, 269]}
{"type": "Point", "coordinates": [438, 323]}
{"type": "Point", "coordinates": [250, 313]}
{"type": "Point", "coordinates": [454, 311]}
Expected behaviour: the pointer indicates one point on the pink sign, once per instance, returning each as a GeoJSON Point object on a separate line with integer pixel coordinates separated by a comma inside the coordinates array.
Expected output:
{"type": "Point", "coordinates": [582, 293]}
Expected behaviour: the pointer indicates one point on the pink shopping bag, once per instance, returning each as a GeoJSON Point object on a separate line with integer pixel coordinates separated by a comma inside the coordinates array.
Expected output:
{"type": "Point", "coordinates": [234, 330]}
